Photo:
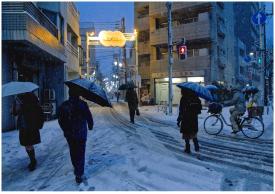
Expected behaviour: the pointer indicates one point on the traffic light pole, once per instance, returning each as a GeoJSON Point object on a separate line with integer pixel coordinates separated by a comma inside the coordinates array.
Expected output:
{"type": "Point", "coordinates": [170, 52]}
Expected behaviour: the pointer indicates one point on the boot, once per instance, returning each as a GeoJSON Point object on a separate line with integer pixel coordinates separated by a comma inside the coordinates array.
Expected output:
{"type": "Point", "coordinates": [78, 179]}
{"type": "Point", "coordinates": [32, 164]}
{"type": "Point", "coordinates": [196, 144]}
{"type": "Point", "coordinates": [187, 146]}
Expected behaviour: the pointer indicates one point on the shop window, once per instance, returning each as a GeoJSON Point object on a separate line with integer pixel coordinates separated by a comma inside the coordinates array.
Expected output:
{"type": "Point", "coordinates": [196, 79]}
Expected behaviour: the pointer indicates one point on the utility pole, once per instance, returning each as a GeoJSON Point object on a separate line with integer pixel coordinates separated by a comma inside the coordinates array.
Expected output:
{"type": "Point", "coordinates": [124, 48]}
{"type": "Point", "coordinates": [265, 66]}
{"type": "Point", "coordinates": [266, 70]}
{"type": "Point", "coordinates": [170, 52]}
{"type": "Point", "coordinates": [87, 54]}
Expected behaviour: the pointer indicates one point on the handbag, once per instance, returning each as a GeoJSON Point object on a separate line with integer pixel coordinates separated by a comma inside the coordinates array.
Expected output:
{"type": "Point", "coordinates": [137, 112]}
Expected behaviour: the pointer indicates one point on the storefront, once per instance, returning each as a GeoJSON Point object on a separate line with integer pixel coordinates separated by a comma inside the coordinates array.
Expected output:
{"type": "Point", "coordinates": [162, 89]}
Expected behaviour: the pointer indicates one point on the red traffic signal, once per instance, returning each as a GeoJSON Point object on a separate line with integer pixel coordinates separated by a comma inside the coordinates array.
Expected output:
{"type": "Point", "coordinates": [182, 50]}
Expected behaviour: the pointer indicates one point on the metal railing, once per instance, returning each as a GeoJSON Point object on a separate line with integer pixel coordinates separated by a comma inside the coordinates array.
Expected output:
{"type": "Point", "coordinates": [33, 11]}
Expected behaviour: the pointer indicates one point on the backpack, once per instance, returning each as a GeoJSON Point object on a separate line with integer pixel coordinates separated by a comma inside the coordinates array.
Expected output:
{"type": "Point", "coordinates": [34, 116]}
{"type": "Point", "coordinates": [67, 116]}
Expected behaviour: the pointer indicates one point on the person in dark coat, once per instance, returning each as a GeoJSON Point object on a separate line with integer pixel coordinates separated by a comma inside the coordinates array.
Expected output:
{"type": "Point", "coordinates": [73, 117]}
{"type": "Point", "coordinates": [27, 107]}
{"type": "Point", "coordinates": [132, 99]}
{"type": "Point", "coordinates": [190, 107]}
{"type": "Point", "coordinates": [117, 96]}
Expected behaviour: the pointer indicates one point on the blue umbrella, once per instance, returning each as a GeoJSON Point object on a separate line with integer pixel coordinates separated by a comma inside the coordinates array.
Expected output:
{"type": "Point", "coordinates": [90, 91]}
{"type": "Point", "coordinates": [211, 88]}
{"type": "Point", "coordinates": [198, 89]}
{"type": "Point", "coordinates": [250, 89]}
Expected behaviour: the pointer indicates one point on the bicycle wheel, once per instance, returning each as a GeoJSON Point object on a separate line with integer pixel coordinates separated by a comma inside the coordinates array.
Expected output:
{"type": "Point", "coordinates": [213, 125]}
{"type": "Point", "coordinates": [252, 127]}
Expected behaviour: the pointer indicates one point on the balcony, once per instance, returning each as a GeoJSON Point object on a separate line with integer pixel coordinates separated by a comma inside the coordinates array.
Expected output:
{"type": "Point", "coordinates": [140, 5]}
{"type": "Point", "coordinates": [72, 57]}
{"type": "Point", "coordinates": [143, 48]}
{"type": "Point", "coordinates": [159, 8]}
{"type": "Point", "coordinates": [191, 31]}
{"type": "Point", "coordinates": [23, 21]}
{"type": "Point", "coordinates": [142, 23]}
{"type": "Point", "coordinates": [73, 17]}
{"type": "Point", "coordinates": [190, 64]}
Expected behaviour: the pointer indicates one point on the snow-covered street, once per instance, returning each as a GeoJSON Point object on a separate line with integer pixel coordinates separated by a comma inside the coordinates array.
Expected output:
{"type": "Point", "coordinates": [147, 155]}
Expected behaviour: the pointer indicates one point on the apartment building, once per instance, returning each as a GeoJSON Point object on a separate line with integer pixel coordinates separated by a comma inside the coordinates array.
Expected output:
{"type": "Point", "coordinates": [208, 30]}
{"type": "Point", "coordinates": [87, 29]}
{"type": "Point", "coordinates": [40, 44]}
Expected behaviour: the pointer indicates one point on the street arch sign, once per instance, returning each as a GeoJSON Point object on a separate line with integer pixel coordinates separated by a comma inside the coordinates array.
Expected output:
{"type": "Point", "coordinates": [112, 38]}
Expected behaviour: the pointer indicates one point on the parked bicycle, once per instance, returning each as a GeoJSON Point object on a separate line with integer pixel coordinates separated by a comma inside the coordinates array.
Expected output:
{"type": "Point", "coordinates": [251, 127]}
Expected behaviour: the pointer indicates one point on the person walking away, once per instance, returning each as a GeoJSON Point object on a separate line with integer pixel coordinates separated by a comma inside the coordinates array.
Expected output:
{"type": "Point", "coordinates": [73, 117]}
{"type": "Point", "coordinates": [190, 107]}
{"type": "Point", "coordinates": [132, 99]}
{"type": "Point", "coordinates": [118, 94]}
{"type": "Point", "coordinates": [239, 108]}
{"type": "Point", "coordinates": [30, 119]}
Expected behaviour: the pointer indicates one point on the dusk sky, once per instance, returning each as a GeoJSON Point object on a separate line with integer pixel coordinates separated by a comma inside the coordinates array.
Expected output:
{"type": "Point", "coordinates": [102, 12]}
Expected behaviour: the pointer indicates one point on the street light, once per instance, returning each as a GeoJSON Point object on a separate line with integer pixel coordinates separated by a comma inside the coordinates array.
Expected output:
{"type": "Point", "coordinates": [251, 54]}
{"type": "Point", "coordinates": [120, 64]}
{"type": "Point", "coordinates": [115, 63]}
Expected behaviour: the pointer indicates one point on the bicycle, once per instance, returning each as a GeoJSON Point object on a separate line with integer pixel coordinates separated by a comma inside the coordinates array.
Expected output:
{"type": "Point", "coordinates": [251, 127]}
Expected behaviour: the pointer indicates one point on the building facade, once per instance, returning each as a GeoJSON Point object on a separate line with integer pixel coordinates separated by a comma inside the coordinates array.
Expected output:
{"type": "Point", "coordinates": [208, 31]}
{"type": "Point", "coordinates": [40, 44]}
{"type": "Point", "coordinates": [85, 30]}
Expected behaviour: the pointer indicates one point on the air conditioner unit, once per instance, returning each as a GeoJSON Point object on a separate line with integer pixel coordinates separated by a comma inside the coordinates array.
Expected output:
{"type": "Point", "coordinates": [49, 94]}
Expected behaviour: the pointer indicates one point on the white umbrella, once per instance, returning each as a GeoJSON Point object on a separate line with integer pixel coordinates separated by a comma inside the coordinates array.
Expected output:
{"type": "Point", "coordinates": [14, 88]}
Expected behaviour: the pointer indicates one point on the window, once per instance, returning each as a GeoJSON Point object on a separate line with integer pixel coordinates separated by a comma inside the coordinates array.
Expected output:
{"type": "Point", "coordinates": [61, 28]}
{"type": "Point", "coordinates": [162, 52]}
{"type": "Point", "coordinates": [144, 36]}
{"type": "Point", "coordinates": [161, 23]}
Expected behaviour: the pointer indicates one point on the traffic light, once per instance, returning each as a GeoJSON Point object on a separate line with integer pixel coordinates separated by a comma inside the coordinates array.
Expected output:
{"type": "Point", "coordinates": [182, 52]}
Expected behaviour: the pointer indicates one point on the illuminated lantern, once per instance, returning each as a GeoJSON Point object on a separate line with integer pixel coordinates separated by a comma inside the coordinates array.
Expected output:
{"type": "Point", "coordinates": [112, 38]}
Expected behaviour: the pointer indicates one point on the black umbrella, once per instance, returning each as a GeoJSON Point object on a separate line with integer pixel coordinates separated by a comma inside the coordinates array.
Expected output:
{"type": "Point", "coordinates": [128, 85]}
{"type": "Point", "coordinates": [90, 91]}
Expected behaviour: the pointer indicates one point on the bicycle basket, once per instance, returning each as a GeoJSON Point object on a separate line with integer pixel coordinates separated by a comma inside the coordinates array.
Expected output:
{"type": "Point", "coordinates": [255, 111]}
{"type": "Point", "coordinates": [214, 108]}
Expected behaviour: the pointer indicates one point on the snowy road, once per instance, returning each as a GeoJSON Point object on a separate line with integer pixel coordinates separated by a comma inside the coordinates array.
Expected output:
{"type": "Point", "coordinates": [147, 155]}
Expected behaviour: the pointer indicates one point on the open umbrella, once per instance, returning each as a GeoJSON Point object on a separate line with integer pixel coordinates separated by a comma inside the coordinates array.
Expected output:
{"type": "Point", "coordinates": [90, 91]}
{"type": "Point", "coordinates": [198, 89]}
{"type": "Point", "coordinates": [250, 90]}
{"type": "Point", "coordinates": [15, 88]}
{"type": "Point", "coordinates": [128, 85]}
{"type": "Point", "coordinates": [211, 88]}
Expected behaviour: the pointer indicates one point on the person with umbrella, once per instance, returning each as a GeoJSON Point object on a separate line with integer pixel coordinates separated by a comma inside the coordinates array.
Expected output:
{"type": "Point", "coordinates": [132, 99]}
{"type": "Point", "coordinates": [29, 114]}
{"type": "Point", "coordinates": [30, 120]}
{"type": "Point", "coordinates": [190, 107]}
{"type": "Point", "coordinates": [74, 116]}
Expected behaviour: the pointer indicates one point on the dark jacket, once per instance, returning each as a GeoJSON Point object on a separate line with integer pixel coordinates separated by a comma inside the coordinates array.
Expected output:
{"type": "Point", "coordinates": [75, 127]}
{"type": "Point", "coordinates": [132, 99]}
{"type": "Point", "coordinates": [27, 111]}
{"type": "Point", "coordinates": [190, 107]}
